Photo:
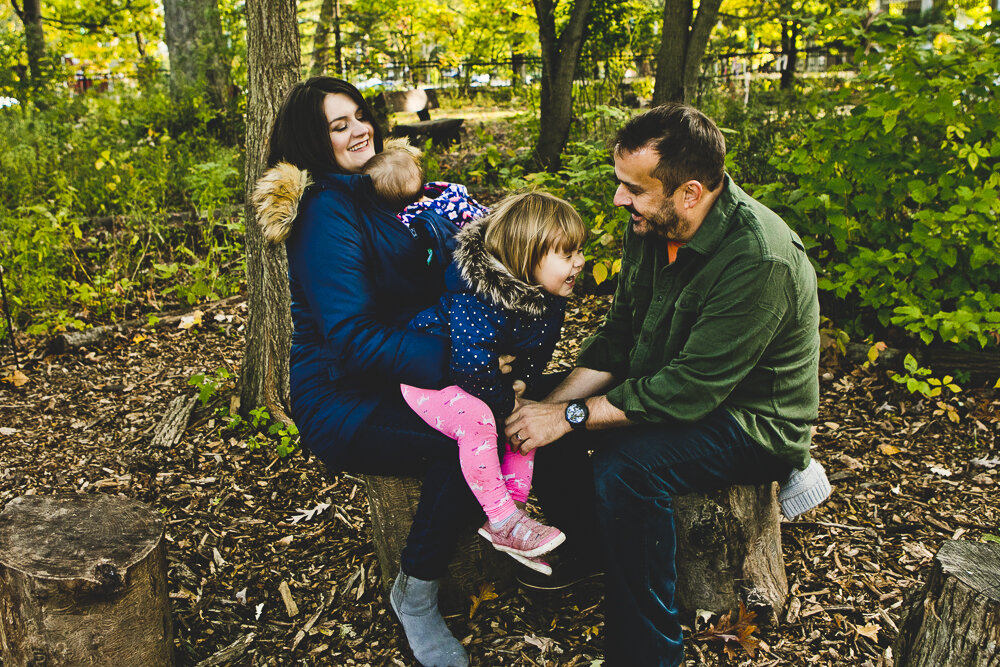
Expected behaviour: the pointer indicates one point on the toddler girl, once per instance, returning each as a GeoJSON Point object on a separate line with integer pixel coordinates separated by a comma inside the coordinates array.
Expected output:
{"type": "Point", "coordinates": [518, 265]}
{"type": "Point", "coordinates": [507, 289]}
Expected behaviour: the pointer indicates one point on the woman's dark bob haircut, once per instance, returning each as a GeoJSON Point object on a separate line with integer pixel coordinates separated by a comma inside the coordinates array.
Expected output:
{"type": "Point", "coordinates": [301, 135]}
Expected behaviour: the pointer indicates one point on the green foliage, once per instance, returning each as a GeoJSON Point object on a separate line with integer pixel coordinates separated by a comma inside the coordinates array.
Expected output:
{"type": "Point", "coordinates": [918, 379]}
{"type": "Point", "coordinates": [257, 432]}
{"type": "Point", "coordinates": [894, 186]}
{"type": "Point", "coordinates": [284, 437]}
{"type": "Point", "coordinates": [208, 385]}
{"type": "Point", "coordinates": [85, 188]}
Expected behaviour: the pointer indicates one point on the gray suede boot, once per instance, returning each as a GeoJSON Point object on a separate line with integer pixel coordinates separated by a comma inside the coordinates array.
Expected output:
{"type": "Point", "coordinates": [415, 602]}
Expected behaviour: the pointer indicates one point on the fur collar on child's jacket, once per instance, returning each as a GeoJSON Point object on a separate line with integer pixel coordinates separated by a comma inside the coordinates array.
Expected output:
{"type": "Point", "coordinates": [488, 277]}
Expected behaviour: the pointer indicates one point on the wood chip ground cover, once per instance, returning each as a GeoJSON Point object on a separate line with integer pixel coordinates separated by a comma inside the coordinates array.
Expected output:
{"type": "Point", "coordinates": [270, 560]}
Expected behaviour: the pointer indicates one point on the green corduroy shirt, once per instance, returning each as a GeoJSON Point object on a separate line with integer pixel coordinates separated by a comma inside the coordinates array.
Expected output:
{"type": "Point", "coordinates": [732, 322]}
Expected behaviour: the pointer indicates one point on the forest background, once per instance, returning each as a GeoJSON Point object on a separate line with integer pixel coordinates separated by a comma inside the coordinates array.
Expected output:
{"type": "Point", "coordinates": [871, 128]}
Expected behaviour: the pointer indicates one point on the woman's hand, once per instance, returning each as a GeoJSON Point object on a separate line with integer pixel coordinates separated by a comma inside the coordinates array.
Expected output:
{"type": "Point", "coordinates": [505, 361]}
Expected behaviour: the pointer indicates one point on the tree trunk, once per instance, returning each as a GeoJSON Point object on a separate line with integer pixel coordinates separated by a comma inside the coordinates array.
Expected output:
{"type": "Point", "coordinates": [559, 58]}
{"type": "Point", "coordinates": [30, 14]}
{"type": "Point", "coordinates": [83, 582]}
{"type": "Point", "coordinates": [272, 69]}
{"type": "Point", "coordinates": [393, 502]}
{"type": "Point", "coordinates": [729, 551]}
{"type": "Point", "coordinates": [199, 56]}
{"type": "Point", "coordinates": [789, 38]}
{"type": "Point", "coordinates": [955, 618]}
{"type": "Point", "coordinates": [683, 43]}
{"type": "Point", "coordinates": [321, 39]}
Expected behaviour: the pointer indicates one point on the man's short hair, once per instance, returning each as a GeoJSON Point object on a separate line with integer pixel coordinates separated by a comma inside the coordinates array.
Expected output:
{"type": "Point", "coordinates": [689, 144]}
{"type": "Point", "coordinates": [396, 172]}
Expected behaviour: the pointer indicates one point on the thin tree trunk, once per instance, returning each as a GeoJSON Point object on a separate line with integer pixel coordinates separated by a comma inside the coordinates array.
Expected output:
{"type": "Point", "coordinates": [321, 39]}
{"type": "Point", "coordinates": [30, 14]}
{"type": "Point", "coordinates": [337, 50]}
{"type": "Point", "coordinates": [789, 37]}
{"type": "Point", "coordinates": [559, 58]}
{"type": "Point", "coordinates": [197, 48]}
{"type": "Point", "coordinates": [684, 39]}
{"type": "Point", "coordinates": [272, 69]}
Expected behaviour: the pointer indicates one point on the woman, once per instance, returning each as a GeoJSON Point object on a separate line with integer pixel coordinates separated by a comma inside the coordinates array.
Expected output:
{"type": "Point", "coordinates": [357, 276]}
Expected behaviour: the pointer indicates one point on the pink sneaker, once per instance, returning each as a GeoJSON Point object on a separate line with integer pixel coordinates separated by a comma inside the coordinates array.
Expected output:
{"type": "Point", "coordinates": [523, 536]}
{"type": "Point", "coordinates": [536, 564]}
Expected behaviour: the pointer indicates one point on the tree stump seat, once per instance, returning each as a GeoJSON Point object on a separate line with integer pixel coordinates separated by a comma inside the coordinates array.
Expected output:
{"type": "Point", "coordinates": [83, 582]}
{"type": "Point", "coordinates": [392, 502]}
{"type": "Point", "coordinates": [955, 618]}
{"type": "Point", "coordinates": [728, 549]}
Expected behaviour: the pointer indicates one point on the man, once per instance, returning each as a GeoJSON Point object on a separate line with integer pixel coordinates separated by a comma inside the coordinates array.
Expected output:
{"type": "Point", "coordinates": [703, 375]}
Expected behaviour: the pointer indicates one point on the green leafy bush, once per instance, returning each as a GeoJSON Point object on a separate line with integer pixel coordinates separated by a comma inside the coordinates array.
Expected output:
{"type": "Point", "coordinates": [85, 188]}
{"type": "Point", "coordinates": [894, 186]}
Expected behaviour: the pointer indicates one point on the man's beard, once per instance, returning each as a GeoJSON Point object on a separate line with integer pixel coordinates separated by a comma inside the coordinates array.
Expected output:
{"type": "Point", "coordinates": [664, 223]}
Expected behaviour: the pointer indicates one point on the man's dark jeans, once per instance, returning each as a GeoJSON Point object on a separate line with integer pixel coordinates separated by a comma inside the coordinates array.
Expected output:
{"type": "Point", "coordinates": [629, 483]}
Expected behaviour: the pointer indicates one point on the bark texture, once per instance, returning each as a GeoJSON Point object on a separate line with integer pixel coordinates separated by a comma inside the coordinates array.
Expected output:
{"type": "Point", "coordinates": [729, 550]}
{"type": "Point", "coordinates": [83, 582]}
{"type": "Point", "coordinates": [685, 36]}
{"type": "Point", "coordinates": [272, 69]}
{"type": "Point", "coordinates": [198, 52]}
{"type": "Point", "coordinates": [955, 618]}
{"type": "Point", "coordinates": [393, 502]}
{"type": "Point", "coordinates": [171, 428]}
{"type": "Point", "coordinates": [560, 52]}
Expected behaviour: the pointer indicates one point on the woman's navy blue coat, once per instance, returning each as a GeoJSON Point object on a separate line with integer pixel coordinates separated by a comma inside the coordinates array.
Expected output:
{"type": "Point", "coordinates": [357, 276]}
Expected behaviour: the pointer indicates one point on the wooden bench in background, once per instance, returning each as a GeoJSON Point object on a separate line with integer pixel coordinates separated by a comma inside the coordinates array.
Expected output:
{"type": "Point", "coordinates": [441, 131]}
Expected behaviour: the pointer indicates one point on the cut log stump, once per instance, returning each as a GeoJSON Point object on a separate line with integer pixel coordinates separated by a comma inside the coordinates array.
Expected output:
{"type": "Point", "coordinates": [83, 582]}
{"type": "Point", "coordinates": [729, 551]}
{"type": "Point", "coordinates": [393, 502]}
{"type": "Point", "coordinates": [955, 618]}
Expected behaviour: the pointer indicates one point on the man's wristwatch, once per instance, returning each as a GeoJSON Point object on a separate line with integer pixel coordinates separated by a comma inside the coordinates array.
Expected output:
{"type": "Point", "coordinates": [577, 414]}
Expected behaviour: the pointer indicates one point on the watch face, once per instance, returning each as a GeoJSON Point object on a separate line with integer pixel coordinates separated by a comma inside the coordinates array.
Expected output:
{"type": "Point", "coordinates": [576, 413]}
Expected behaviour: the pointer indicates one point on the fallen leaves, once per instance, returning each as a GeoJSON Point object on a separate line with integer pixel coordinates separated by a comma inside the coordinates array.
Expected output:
{"type": "Point", "coordinates": [308, 514]}
{"type": "Point", "coordinates": [17, 378]}
{"type": "Point", "coordinates": [732, 632]}
{"type": "Point", "coordinates": [190, 320]}
{"type": "Point", "coordinates": [486, 592]}
{"type": "Point", "coordinates": [233, 539]}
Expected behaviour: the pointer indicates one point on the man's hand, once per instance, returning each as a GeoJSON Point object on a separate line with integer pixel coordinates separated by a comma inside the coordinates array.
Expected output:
{"type": "Point", "coordinates": [534, 424]}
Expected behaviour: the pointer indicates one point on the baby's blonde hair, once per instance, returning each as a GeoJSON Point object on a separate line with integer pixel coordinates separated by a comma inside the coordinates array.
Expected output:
{"type": "Point", "coordinates": [396, 172]}
{"type": "Point", "coordinates": [523, 228]}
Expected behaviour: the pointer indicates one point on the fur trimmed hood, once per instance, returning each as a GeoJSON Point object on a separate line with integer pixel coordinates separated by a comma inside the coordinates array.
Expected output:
{"type": "Point", "coordinates": [276, 199]}
{"type": "Point", "coordinates": [491, 279]}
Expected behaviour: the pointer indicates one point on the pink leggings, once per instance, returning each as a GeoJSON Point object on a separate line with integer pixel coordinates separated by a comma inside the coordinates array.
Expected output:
{"type": "Point", "coordinates": [469, 421]}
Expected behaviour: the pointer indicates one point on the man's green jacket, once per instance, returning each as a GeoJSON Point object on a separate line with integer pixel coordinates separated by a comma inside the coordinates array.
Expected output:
{"type": "Point", "coordinates": [732, 322]}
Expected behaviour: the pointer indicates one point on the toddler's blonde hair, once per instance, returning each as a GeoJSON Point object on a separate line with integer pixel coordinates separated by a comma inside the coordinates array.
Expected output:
{"type": "Point", "coordinates": [523, 228]}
